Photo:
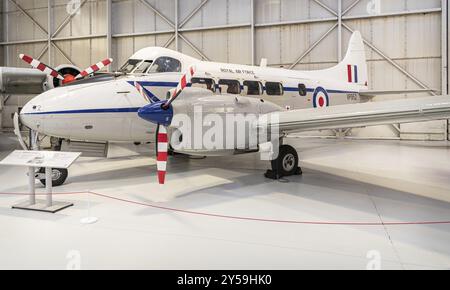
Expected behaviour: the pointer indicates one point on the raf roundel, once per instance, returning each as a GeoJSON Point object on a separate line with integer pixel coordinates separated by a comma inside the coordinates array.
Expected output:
{"type": "Point", "coordinates": [321, 99]}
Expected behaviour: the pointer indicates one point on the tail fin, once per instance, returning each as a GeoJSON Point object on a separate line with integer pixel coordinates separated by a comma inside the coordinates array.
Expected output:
{"type": "Point", "coordinates": [353, 69]}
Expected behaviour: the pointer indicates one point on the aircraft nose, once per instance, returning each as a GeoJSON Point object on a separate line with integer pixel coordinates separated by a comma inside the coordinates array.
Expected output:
{"type": "Point", "coordinates": [154, 113]}
{"type": "Point", "coordinates": [33, 114]}
{"type": "Point", "coordinates": [29, 117]}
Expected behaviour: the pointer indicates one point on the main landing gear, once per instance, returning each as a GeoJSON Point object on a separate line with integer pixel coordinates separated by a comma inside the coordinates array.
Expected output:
{"type": "Point", "coordinates": [285, 165]}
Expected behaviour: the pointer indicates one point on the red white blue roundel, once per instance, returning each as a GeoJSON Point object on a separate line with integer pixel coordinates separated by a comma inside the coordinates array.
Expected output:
{"type": "Point", "coordinates": [321, 99]}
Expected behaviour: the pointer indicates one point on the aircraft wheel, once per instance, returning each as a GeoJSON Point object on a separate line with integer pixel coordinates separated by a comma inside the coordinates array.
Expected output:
{"type": "Point", "coordinates": [286, 164]}
{"type": "Point", "coordinates": [59, 176]}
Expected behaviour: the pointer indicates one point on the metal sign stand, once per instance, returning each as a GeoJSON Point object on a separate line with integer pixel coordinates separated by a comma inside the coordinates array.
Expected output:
{"type": "Point", "coordinates": [33, 159]}
{"type": "Point", "coordinates": [47, 205]}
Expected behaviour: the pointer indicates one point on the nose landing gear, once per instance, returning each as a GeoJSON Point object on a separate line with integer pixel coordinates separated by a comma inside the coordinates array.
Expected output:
{"type": "Point", "coordinates": [59, 176]}
{"type": "Point", "coordinates": [285, 165]}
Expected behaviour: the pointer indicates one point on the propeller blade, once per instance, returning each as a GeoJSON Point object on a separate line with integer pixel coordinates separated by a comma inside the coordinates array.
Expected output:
{"type": "Point", "coordinates": [94, 68]}
{"type": "Point", "coordinates": [41, 66]}
{"type": "Point", "coordinates": [161, 151]}
{"type": "Point", "coordinates": [142, 92]}
{"type": "Point", "coordinates": [185, 80]}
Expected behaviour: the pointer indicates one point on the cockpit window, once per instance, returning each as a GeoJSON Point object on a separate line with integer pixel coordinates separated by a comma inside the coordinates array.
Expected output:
{"type": "Point", "coordinates": [130, 65]}
{"type": "Point", "coordinates": [143, 67]}
{"type": "Point", "coordinates": [165, 64]}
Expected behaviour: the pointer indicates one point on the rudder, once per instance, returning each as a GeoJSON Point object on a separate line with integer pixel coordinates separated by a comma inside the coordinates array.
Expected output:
{"type": "Point", "coordinates": [353, 68]}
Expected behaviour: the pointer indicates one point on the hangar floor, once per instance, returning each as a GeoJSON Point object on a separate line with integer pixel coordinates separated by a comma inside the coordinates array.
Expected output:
{"type": "Point", "coordinates": [355, 201]}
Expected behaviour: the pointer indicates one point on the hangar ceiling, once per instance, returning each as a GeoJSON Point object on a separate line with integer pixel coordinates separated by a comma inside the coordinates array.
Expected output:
{"type": "Point", "coordinates": [297, 34]}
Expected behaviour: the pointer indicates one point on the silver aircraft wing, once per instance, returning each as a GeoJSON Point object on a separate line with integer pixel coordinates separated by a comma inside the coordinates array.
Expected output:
{"type": "Point", "coordinates": [372, 93]}
{"type": "Point", "coordinates": [21, 81]}
{"type": "Point", "coordinates": [359, 115]}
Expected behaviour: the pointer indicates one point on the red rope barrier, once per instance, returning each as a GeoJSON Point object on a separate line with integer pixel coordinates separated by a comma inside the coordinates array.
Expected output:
{"type": "Point", "coordinates": [272, 220]}
{"type": "Point", "coordinates": [242, 218]}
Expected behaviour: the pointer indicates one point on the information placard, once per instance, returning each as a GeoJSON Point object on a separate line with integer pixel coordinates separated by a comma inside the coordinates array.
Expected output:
{"type": "Point", "coordinates": [51, 159]}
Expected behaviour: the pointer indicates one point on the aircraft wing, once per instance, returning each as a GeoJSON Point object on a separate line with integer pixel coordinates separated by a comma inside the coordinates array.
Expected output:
{"type": "Point", "coordinates": [21, 81]}
{"type": "Point", "coordinates": [371, 94]}
{"type": "Point", "coordinates": [359, 115]}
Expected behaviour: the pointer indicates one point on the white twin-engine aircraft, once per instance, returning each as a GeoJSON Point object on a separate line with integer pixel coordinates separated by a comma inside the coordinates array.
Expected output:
{"type": "Point", "coordinates": [159, 84]}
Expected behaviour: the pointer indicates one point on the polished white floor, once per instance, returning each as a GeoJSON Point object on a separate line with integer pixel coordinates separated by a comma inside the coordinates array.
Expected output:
{"type": "Point", "coordinates": [344, 181]}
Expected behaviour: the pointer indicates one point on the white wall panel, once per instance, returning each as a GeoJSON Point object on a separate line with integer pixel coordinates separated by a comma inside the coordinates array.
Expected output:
{"type": "Point", "coordinates": [423, 35]}
{"type": "Point", "coordinates": [268, 44]}
{"type": "Point", "coordinates": [123, 48]}
{"type": "Point", "coordinates": [215, 13]}
{"type": "Point", "coordinates": [239, 11]}
{"type": "Point", "coordinates": [195, 38]}
{"type": "Point", "coordinates": [327, 49]}
{"type": "Point", "coordinates": [239, 46]}
{"type": "Point", "coordinates": [185, 8]}
{"type": "Point", "coordinates": [292, 10]}
{"type": "Point", "coordinates": [142, 19]}
{"type": "Point", "coordinates": [30, 49]}
{"type": "Point", "coordinates": [215, 45]}
{"type": "Point", "coordinates": [267, 11]}
{"type": "Point", "coordinates": [392, 6]}
{"type": "Point", "coordinates": [21, 27]}
{"type": "Point", "coordinates": [123, 13]}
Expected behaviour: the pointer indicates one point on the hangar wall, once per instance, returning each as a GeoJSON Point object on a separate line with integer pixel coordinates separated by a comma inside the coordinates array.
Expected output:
{"type": "Point", "coordinates": [403, 38]}
{"type": "Point", "coordinates": [2, 59]}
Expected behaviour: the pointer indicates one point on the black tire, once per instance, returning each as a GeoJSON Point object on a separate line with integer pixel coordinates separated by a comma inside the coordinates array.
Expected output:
{"type": "Point", "coordinates": [287, 162]}
{"type": "Point", "coordinates": [59, 176]}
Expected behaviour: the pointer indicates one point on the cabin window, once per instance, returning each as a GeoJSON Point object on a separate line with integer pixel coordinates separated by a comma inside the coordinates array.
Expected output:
{"type": "Point", "coordinates": [230, 87]}
{"type": "Point", "coordinates": [143, 67]}
{"type": "Point", "coordinates": [252, 88]}
{"type": "Point", "coordinates": [130, 65]}
{"type": "Point", "coordinates": [274, 89]}
{"type": "Point", "coordinates": [302, 90]}
{"type": "Point", "coordinates": [165, 64]}
{"type": "Point", "coordinates": [205, 83]}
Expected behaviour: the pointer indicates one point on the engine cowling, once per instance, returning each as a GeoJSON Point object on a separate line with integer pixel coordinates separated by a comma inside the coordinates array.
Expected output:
{"type": "Point", "coordinates": [69, 72]}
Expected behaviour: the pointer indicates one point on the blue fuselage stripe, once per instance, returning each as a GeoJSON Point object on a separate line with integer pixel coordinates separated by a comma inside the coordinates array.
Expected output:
{"type": "Point", "coordinates": [158, 84]}
{"type": "Point", "coordinates": [89, 111]}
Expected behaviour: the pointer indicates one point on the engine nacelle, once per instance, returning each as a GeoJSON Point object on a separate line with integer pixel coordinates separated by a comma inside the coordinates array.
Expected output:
{"type": "Point", "coordinates": [64, 70]}
{"type": "Point", "coordinates": [203, 123]}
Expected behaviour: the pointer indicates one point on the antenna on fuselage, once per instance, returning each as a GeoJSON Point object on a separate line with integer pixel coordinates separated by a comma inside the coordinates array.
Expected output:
{"type": "Point", "coordinates": [263, 62]}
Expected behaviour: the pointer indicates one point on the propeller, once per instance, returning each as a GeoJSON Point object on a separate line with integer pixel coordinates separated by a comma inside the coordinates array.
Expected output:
{"type": "Point", "coordinates": [68, 78]}
{"type": "Point", "coordinates": [162, 138]}
{"type": "Point", "coordinates": [94, 68]}
{"type": "Point", "coordinates": [185, 80]}
{"type": "Point", "coordinates": [142, 92]}
{"type": "Point", "coordinates": [161, 113]}
{"type": "Point", "coordinates": [161, 153]}
{"type": "Point", "coordinates": [41, 66]}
